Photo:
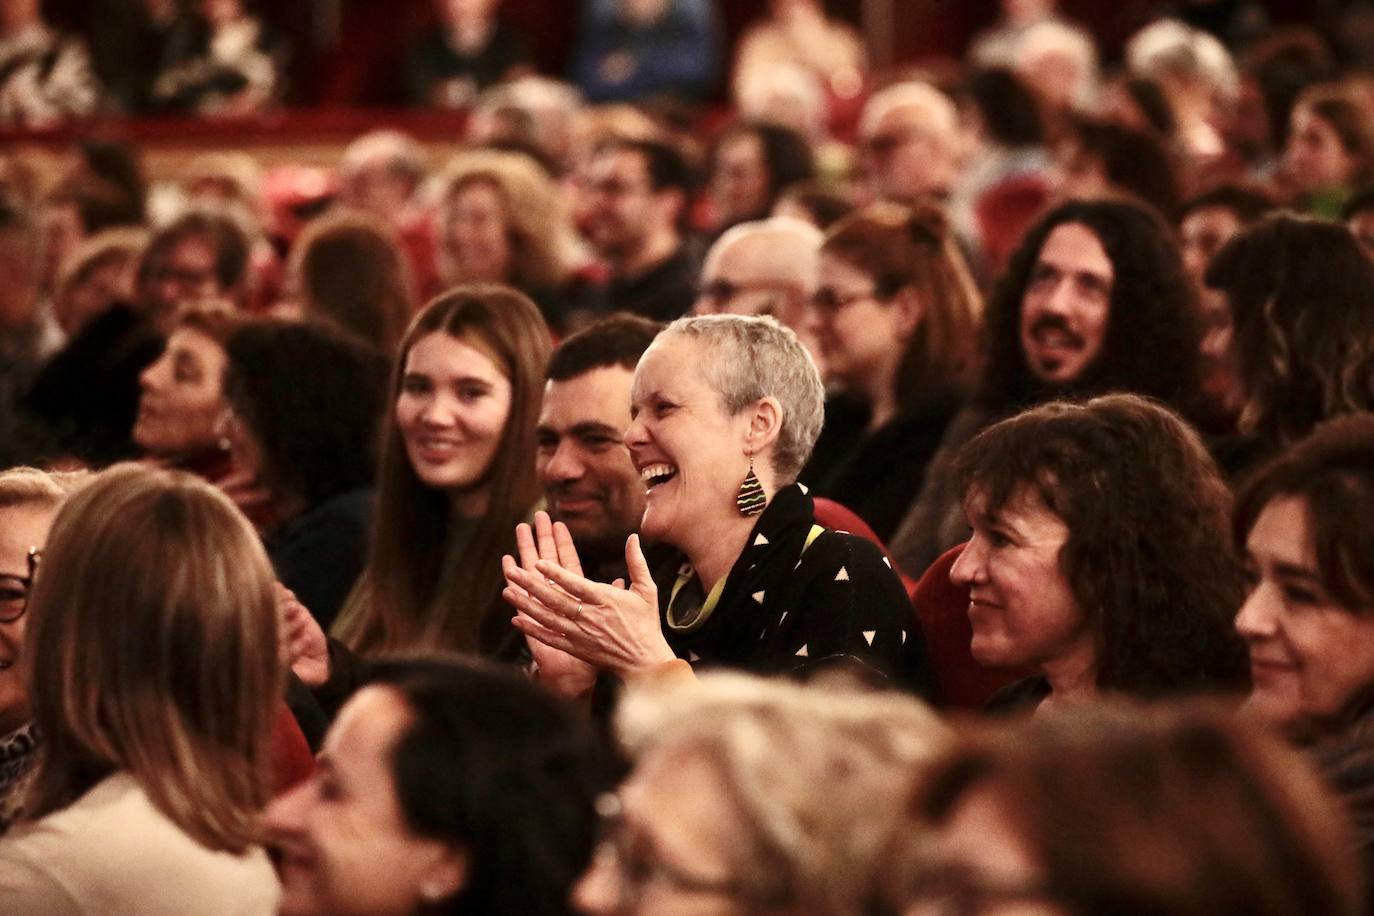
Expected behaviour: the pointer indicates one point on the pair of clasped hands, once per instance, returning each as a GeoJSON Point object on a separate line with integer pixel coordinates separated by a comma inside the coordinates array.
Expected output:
{"type": "Point", "coordinates": [576, 627]}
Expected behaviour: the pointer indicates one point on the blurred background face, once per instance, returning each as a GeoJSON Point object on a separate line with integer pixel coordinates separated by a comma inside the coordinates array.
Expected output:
{"type": "Point", "coordinates": [108, 282]}
{"type": "Point", "coordinates": [1310, 657]}
{"type": "Point", "coordinates": [477, 235]}
{"type": "Point", "coordinates": [905, 158]}
{"type": "Point", "coordinates": [980, 864]}
{"type": "Point", "coordinates": [182, 396]}
{"type": "Point", "coordinates": [739, 182]}
{"type": "Point", "coordinates": [857, 333]}
{"type": "Point", "coordinates": [187, 274]}
{"type": "Point", "coordinates": [1315, 158]}
{"type": "Point", "coordinates": [21, 528]}
{"type": "Point", "coordinates": [346, 848]}
{"type": "Point", "coordinates": [618, 203]}
{"type": "Point", "coordinates": [672, 848]}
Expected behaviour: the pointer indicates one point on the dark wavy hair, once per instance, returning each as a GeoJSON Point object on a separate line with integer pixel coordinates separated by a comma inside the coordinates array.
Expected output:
{"type": "Point", "coordinates": [1332, 472]}
{"type": "Point", "coordinates": [312, 398]}
{"type": "Point", "coordinates": [1301, 293]}
{"type": "Point", "coordinates": [1149, 554]}
{"type": "Point", "coordinates": [498, 767]}
{"type": "Point", "coordinates": [1153, 332]}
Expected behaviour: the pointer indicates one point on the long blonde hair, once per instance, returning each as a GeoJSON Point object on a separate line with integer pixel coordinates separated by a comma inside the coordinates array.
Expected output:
{"type": "Point", "coordinates": [152, 649]}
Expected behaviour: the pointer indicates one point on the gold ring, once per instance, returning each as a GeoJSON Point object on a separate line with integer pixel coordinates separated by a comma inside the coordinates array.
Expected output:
{"type": "Point", "coordinates": [577, 613]}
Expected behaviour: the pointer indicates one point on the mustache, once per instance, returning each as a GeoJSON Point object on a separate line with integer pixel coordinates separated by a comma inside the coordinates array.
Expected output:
{"type": "Point", "coordinates": [1055, 323]}
{"type": "Point", "coordinates": [571, 490]}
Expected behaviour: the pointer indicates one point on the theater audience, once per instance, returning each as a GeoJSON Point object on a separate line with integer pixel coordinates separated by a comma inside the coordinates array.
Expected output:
{"type": "Point", "coordinates": [633, 204]}
{"type": "Point", "coordinates": [503, 221]}
{"type": "Point", "coordinates": [305, 405]}
{"type": "Point", "coordinates": [29, 498]}
{"type": "Point", "coordinates": [1099, 555]}
{"type": "Point", "coordinates": [1307, 620]}
{"type": "Point", "coordinates": [1206, 223]}
{"type": "Point", "coordinates": [182, 395]}
{"type": "Point", "coordinates": [447, 787]}
{"type": "Point", "coordinates": [220, 60]}
{"type": "Point", "coordinates": [1301, 296]}
{"type": "Point", "coordinates": [765, 267]}
{"type": "Point", "coordinates": [798, 33]}
{"type": "Point", "coordinates": [909, 137]}
{"type": "Point", "coordinates": [468, 49]}
{"type": "Point", "coordinates": [99, 274]}
{"type": "Point", "coordinates": [756, 585]}
{"type": "Point", "coordinates": [1120, 809]}
{"type": "Point", "coordinates": [1330, 148]}
{"type": "Point", "coordinates": [1091, 298]}
{"type": "Point", "coordinates": [465, 398]}
{"type": "Point", "coordinates": [45, 75]}
{"type": "Point", "coordinates": [1098, 159]}
{"type": "Point", "coordinates": [590, 482]}
{"type": "Point", "coordinates": [347, 270]}
{"type": "Point", "coordinates": [647, 50]}
{"type": "Point", "coordinates": [153, 677]}
{"type": "Point", "coordinates": [895, 316]}
{"type": "Point", "coordinates": [750, 165]}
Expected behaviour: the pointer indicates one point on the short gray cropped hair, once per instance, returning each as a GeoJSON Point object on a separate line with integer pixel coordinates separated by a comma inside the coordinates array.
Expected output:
{"type": "Point", "coordinates": [753, 357]}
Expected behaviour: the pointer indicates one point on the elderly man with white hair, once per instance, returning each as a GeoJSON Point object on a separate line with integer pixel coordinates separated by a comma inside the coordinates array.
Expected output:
{"type": "Point", "coordinates": [909, 134]}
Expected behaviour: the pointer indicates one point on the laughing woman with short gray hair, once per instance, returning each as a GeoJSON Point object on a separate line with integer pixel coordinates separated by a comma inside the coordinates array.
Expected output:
{"type": "Point", "coordinates": [726, 411]}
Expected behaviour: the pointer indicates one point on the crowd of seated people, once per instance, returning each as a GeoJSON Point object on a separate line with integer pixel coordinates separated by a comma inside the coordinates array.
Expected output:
{"type": "Point", "coordinates": [927, 490]}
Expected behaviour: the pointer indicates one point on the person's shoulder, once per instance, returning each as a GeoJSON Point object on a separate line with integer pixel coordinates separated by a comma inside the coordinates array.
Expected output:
{"type": "Point", "coordinates": [112, 850]}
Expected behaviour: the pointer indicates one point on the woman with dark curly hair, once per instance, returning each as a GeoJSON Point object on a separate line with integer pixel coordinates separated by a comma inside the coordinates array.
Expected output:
{"type": "Point", "coordinates": [305, 409]}
{"type": "Point", "coordinates": [1301, 294]}
{"type": "Point", "coordinates": [1100, 556]}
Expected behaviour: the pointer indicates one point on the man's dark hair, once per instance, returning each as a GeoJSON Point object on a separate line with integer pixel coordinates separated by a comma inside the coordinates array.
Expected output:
{"type": "Point", "coordinates": [1150, 346]}
{"type": "Point", "coordinates": [1149, 554]}
{"type": "Point", "coordinates": [228, 239]}
{"type": "Point", "coordinates": [1361, 201]}
{"type": "Point", "coordinates": [312, 397]}
{"type": "Point", "coordinates": [1133, 161]}
{"type": "Point", "coordinates": [1248, 204]}
{"type": "Point", "coordinates": [668, 168]}
{"type": "Point", "coordinates": [617, 340]}
{"type": "Point", "coordinates": [495, 766]}
{"type": "Point", "coordinates": [1149, 98]}
{"type": "Point", "coordinates": [1011, 115]}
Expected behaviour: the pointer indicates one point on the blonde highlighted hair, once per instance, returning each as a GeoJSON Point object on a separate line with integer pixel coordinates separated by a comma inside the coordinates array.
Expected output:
{"type": "Point", "coordinates": [152, 649]}
{"type": "Point", "coordinates": [818, 773]}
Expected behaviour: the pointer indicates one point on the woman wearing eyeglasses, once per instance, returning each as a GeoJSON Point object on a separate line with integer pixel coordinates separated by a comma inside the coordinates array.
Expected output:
{"type": "Point", "coordinates": [754, 796]}
{"type": "Point", "coordinates": [896, 318]}
{"type": "Point", "coordinates": [29, 499]}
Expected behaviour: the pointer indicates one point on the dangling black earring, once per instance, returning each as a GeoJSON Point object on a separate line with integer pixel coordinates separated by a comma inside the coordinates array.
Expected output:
{"type": "Point", "coordinates": [751, 498]}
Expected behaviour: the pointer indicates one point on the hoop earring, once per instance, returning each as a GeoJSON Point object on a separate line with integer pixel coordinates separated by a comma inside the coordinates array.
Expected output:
{"type": "Point", "coordinates": [751, 499]}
